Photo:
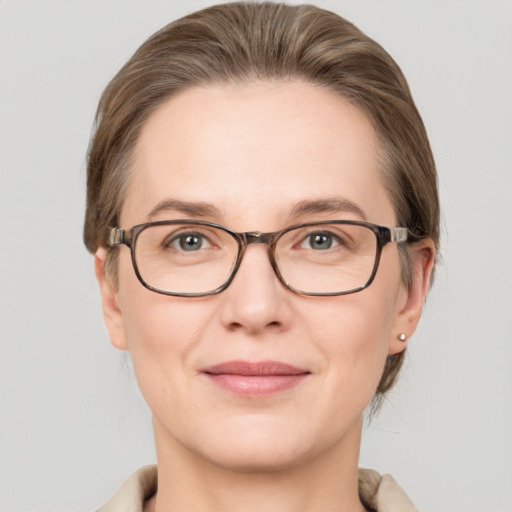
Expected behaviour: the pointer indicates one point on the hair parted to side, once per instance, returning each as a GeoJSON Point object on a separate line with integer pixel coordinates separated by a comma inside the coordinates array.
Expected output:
{"type": "Point", "coordinates": [242, 42]}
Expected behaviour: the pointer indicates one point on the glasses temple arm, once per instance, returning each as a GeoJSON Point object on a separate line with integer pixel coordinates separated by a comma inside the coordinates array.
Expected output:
{"type": "Point", "coordinates": [116, 237]}
{"type": "Point", "coordinates": [399, 235]}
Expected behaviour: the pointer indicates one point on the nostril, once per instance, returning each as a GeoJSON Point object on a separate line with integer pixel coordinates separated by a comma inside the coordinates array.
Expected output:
{"type": "Point", "coordinates": [237, 326]}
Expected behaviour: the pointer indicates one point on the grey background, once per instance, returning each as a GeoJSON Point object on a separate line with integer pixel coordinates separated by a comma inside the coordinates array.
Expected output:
{"type": "Point", "coordinates": [72, 424]}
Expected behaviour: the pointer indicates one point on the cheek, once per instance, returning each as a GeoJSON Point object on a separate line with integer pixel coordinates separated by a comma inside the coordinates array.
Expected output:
{"type": "Point", "coordinates": [352, 334]}
{"type": "Point", "coordinates": [151, 319]}
{"type": "Point", "coordinates": [160, 332]}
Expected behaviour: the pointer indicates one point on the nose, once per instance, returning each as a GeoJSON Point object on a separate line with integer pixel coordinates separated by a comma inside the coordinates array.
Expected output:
{"type": "Point", "coordinates": [256, 301]}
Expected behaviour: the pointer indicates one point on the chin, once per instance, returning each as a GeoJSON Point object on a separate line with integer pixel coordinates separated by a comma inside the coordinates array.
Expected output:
{"type": "Point", "coordinates": [262, 458]}
{"type": "Point", "coordinates": [256, 447]}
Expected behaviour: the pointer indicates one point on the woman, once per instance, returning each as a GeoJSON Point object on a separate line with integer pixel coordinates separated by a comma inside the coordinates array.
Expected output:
{"type": "Point", "coordinates": [262, 207]}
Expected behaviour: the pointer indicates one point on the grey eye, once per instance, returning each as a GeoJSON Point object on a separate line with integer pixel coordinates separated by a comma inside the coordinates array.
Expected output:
{"type": "Point", "coordinates": [188, 242]}
{"type": "Point", "coordinates": [319, 241]}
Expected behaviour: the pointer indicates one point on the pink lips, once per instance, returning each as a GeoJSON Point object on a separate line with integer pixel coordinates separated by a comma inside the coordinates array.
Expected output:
{"type": "Point", "coordinates": [255, 379]}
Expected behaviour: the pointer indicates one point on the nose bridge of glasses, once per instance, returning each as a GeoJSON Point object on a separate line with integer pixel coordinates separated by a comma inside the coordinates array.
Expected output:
{"type": "Point", "coordinates": [257, 237]}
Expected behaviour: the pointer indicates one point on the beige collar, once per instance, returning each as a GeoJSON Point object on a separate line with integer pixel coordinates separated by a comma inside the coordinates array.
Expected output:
{"type": "Point", "coordinates": [378, 493]}
{"type": "Point", "coordinates": [381, 493]}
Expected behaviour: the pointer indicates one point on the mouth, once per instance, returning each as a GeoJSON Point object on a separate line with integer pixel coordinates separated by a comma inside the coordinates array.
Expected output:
{"type": "Point", "coordinates": [255, 379]}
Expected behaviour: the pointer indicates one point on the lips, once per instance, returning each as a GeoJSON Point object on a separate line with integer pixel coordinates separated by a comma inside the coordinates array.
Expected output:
{"type": "Point", "coordinates": [256, 379]}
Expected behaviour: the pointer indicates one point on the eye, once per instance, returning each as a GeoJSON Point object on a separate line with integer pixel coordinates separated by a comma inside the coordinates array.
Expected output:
{"type": "Point", "coordinates": [188, 242]}
{"type": "Point", "coordinates": [320, 241]}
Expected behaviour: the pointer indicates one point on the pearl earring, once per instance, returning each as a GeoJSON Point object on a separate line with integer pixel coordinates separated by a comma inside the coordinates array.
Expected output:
{"type": "Point", "coordinates": [402, 336]}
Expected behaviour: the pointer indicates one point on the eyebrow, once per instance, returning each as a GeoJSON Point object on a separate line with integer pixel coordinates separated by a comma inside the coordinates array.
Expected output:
{"type": "Point", "coordinates": [306, 207]}
{"type": "Point", "coordinates": [331, 205]}
{"type": "Point", "coordinates": [190, 209]}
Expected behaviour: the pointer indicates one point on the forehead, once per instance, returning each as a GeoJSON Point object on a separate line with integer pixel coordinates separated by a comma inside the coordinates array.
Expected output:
{"type": "Point", "coordinates": [254, 151]}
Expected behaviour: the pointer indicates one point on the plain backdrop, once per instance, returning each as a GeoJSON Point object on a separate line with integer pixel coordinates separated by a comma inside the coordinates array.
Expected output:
{"type": "Point", "coordinates": [72, 423]}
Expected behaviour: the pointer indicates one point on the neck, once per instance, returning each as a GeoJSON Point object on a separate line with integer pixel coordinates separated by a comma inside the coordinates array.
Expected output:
{"type": "Point", "coordinates": [327, 481]}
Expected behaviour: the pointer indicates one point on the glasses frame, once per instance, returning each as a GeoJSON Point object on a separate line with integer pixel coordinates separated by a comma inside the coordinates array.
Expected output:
{"type": "Point", "coordinates": [383, 235]}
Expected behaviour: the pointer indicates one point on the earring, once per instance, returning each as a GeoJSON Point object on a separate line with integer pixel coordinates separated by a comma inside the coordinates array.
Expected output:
{"type": "Point", "coordinates": [402, 336]}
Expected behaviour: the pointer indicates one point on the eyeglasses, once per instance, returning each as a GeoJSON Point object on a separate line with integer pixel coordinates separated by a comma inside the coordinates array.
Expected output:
{"type": "Point", "coordinates": [190, 258]}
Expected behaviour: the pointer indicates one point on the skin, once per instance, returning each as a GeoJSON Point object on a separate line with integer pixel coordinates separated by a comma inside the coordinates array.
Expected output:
{"type": "Point", "coordinates": [255, 151]}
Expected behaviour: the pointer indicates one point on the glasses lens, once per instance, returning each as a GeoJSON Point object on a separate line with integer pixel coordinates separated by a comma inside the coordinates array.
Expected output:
{"type": "Point", "coordinates": [185, 258]}
{"type": "Point", "coordinates": [327, 258]}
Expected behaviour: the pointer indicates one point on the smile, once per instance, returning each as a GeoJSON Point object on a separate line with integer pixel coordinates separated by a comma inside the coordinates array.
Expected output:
{"type": "Point", "coordinates": [255, 379]}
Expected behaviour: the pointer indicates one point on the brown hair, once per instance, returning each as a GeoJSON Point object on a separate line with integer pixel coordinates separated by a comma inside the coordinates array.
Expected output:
{"type": "Point", "coordinates": [240, 42]}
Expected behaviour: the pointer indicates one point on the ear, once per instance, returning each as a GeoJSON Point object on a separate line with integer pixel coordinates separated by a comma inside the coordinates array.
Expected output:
{"type": "Point", "coordinates": [112, 315]}
{"type": "Point", "coordinates": [410, 302]}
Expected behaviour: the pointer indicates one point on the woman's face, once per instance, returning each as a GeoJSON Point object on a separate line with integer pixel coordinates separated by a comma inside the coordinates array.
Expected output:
{"type": "Point", "coordinates": [254, 153]}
